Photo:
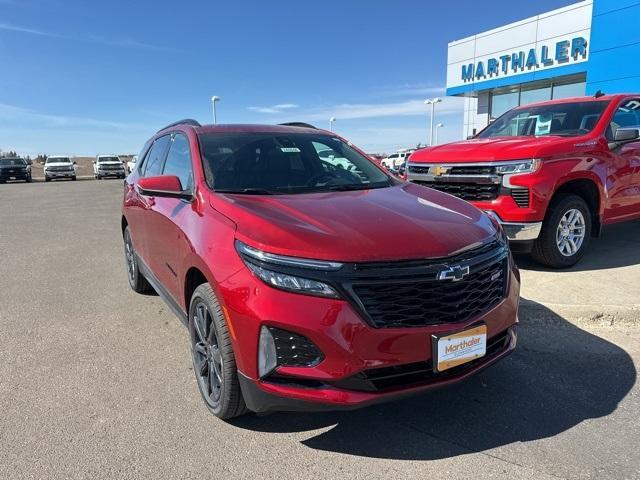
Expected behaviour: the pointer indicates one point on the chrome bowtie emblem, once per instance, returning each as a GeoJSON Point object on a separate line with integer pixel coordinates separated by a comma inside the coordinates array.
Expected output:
{"type": "Point", "coordinates": [454, 273]}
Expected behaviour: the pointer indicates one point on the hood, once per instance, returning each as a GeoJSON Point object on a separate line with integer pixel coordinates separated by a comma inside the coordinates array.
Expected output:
{"type": "Point", "coordinates": [109, 162]}
{"type": "Point", "coordinates": [402, 222]}
{"type": "Point", "coordinates": [498, 148]}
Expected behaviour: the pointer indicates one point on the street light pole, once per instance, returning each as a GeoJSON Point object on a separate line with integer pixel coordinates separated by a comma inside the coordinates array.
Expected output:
{"type": "Point", "coordinates": [439, 125]}
{"type": "Point", "coordinates": [214, 99]}
{"type": "Point", "coordinates": [331, 122]}
{"type": "Point", "coordinates": [432, 102]}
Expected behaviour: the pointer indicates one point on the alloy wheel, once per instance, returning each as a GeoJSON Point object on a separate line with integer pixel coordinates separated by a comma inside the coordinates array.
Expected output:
{"type": "Point", "coordinates": [130, 258]}
{"type": "Point", "coordinates": [570, 232]}
{"type": "Point", "coordinates": [207, 355]}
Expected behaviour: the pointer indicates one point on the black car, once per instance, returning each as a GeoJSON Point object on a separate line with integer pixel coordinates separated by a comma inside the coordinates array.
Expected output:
{"type": "Point", "coordinates": [14, 168]}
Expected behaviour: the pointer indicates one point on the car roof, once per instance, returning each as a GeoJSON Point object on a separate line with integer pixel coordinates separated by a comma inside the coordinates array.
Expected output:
{"type": "Point", "coordinates": [247, 128]}
{"type": "Point", "coordinates": [601, 98]}
{"type": "Point", "coordinates": [107, 155]}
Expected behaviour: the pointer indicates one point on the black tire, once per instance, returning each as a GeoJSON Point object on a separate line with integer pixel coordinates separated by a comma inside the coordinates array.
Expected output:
{"type": "Point", "coordinates": [47, 179]}
{"type": "Point", "coordinates": [137, 282]}
{"type": "Point", "coordinates": [73, 178]}
{"type": "Point", "coordinates": [546, 249]}
{"type": "Point", "coordinates": [212, 353]}
{"type": "Point", "coordinates": [29, 179]}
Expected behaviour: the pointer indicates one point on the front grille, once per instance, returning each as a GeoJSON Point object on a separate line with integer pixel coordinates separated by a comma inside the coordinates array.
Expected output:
{"type": "Point", "coordinates": [403, 297]}
{"type": "Point", "coordinates": [59, 169]}
{"type": "Point", "coordinates": [455, 170]}
{"type": "Point", "coordinates": [111, 167]}
{"type": "Point", "coordinates": [465, 191]}
{"type": "Point", "coordinates": [521, 197]}
{"type": "Point", "coordinates": [388, 378]}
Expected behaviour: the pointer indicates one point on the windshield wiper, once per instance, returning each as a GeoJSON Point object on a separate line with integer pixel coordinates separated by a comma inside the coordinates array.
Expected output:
{"type": "Point", "coordinates": [355, 186]}
{"type": "Point", "coordinates": [250, 191]}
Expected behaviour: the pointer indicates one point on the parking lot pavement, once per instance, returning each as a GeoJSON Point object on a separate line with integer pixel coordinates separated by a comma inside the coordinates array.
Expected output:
{"type": "Point", "coordinates": [96, 381]}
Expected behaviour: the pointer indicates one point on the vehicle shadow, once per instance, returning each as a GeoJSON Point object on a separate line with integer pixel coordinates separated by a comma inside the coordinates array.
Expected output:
{"type": "Point", "coordinates": [558, 377]}
{"type": "Point", "coordinates": [618, 246]}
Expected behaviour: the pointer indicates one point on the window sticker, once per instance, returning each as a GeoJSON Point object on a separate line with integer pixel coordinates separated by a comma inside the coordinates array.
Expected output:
{"type": "Point", "coordinates": [290, 149]}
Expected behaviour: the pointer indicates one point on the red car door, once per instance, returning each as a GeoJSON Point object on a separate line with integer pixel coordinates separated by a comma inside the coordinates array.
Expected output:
{"type": "Point", "coordinates": [624, 174]}
{"type": "Point", "coordinates": [152, 166]}
{"type": "Point", "coordinates": [168, 218]}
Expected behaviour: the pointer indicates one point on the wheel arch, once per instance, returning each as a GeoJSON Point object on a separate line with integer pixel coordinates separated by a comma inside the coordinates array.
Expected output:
{"type": "Point", "coordinates": [590, 191]}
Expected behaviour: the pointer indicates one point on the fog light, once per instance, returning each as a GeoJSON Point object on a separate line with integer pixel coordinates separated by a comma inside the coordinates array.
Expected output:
{"type": "Point", "coordinates": [267, 360]}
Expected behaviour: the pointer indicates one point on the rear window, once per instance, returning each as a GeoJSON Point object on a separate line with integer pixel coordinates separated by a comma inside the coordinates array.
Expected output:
{"type": "Point", "coordinates": [270, 163]}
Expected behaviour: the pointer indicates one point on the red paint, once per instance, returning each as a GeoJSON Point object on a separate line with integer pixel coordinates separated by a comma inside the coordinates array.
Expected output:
{"type": "Point", "coordinates": [401, 222]}
{"type": "Point", "coordinates": [616, 174]}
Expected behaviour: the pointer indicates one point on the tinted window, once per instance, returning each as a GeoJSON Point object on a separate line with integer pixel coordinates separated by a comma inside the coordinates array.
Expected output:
{"type": "Point", "coordinates": [179, 161]}
{"type": "Point", "coordinates": [153, 163]}
{"type": "Point", "coordinates": [12, 162]}
{"type": "Point", "coordinates": [561, 119]}
{"type": "Point", "coordinates": [286, 163]}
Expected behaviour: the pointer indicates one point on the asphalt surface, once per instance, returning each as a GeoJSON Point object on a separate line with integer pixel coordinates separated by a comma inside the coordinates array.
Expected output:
{"type": "Point", "coordinates": [96, 381]}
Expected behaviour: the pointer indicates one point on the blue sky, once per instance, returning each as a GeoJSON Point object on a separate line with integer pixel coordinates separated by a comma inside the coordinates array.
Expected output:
{"type": "Point", "coordinates": [87, 77]}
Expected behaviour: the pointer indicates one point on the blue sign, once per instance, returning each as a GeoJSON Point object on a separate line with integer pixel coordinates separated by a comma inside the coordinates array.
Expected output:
{"type": "Point", "coordinates": [518, 61]}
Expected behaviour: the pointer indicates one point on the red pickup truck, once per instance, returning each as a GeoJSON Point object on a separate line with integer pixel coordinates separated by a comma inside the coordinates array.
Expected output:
{"type": "Point", "coordinates": [553, 173]}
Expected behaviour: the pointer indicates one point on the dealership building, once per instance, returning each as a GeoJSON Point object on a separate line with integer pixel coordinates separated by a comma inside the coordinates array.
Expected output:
{"type": "Point", "coordinates": [572, 51]}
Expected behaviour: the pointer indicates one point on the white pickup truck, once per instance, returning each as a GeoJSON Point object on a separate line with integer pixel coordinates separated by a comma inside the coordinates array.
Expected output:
{"type": "Point", "coordinates": [59, 167]}
{"type": "Point", "coordinates": [108, 166]}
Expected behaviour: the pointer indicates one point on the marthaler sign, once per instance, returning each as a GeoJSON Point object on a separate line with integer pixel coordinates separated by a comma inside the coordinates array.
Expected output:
{"type": "Point", "coordinates": [562, 52]}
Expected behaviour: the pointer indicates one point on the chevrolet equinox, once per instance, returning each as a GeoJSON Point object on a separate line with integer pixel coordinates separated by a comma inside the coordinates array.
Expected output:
{"type": "Point", "coordinates": [313, 281]}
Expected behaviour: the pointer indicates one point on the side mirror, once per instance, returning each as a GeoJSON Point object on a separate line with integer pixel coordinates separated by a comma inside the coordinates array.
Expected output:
{"type": "Point", "coordinates": [163, 186]}
{"type": "Point", "coordinates": [626, 135]}
{"type": "Point", "coordinates": [75, 163]}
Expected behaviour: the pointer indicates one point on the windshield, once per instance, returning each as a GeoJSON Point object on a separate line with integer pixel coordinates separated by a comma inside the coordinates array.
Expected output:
{"type": "Point", "coordinates": [271, 163]}
{"type": "Point", "coordinates": [108, 159]}
{"type": "Point", "coordinates": [12, 162]}
{"type": "Point", "coordinates": [58, 160]}
{"type": "Point", "coordinates": [559, 119]}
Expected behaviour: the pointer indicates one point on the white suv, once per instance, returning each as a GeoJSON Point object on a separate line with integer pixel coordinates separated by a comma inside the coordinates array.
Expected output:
{"type": "Point", "coordinates": [59, 167]}
{"type": "Point", "coordinates": [108, 166]}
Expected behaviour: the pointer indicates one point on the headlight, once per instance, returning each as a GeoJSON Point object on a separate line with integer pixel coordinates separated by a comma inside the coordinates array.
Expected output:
{"type": "Point", "coordinates": [292, 283]}
{"type": "Point", "coordinates": [287, 281]}
{"type": "Point", "coordinates": [524, 166]}
{"type": "Point", "coordinates": [501, 236]}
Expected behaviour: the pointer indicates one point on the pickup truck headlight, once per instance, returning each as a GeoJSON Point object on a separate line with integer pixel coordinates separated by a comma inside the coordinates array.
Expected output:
{"type": "Point", "coordinates": [285, 281]}
{"type": "Point", "coordinates": [524, 166]}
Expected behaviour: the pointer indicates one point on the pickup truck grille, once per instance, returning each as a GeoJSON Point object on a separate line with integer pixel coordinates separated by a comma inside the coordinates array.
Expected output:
{"type": "Point", "coordinates": [465, 191]}
{"type": "Point", "coordinates": [111, 167]}
{"type": "Point", "coordinates": [456, 170]}
{"type": "Point", "coordinates": [60, 169]}
{"type": "Point", "coordinates": [398, 297]}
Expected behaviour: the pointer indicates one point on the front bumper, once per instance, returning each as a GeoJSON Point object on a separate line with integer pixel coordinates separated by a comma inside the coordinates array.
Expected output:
{"type": "Point", "coordinates": [262, 396]}
{"type": "Point", "coordinates": [5, 176]}
{"type": "Point", "coordinates": [111, 173]}
{"type": "Point", "coordinates": [516, 231]}
{"type": "Point", "coordinates": [351, 346]}
{"type": "Point", "coordinates": [60, 174]}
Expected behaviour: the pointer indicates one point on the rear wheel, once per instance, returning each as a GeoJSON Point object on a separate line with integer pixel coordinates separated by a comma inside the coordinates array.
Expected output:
{"type": "Point", "coordinates": [137, 282]}
{"type": "Point", "coordinates": [565, 234]}
{"type": "Point", "coordinates": [214, 362]}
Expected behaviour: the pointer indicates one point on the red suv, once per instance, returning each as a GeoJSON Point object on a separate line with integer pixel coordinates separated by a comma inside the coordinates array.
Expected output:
{"type": "Point", "coordinates": [553, 173]}
{"type": "Point", "coordinates": [311, 280]}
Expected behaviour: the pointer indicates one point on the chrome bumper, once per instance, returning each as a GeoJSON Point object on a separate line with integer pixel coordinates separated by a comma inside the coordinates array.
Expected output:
{"type": "Point", "coordinates": [519, 232]}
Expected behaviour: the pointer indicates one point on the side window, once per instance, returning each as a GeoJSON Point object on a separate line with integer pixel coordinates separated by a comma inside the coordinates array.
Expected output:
{"type": "Point", "coordinates": [141, 156]}
{"type": "Point", "coordinates": [179, 161]}
{"type": "Point", "coordinates": [627, 116]}
{"type": "Point", "coordinates": [155, 158]}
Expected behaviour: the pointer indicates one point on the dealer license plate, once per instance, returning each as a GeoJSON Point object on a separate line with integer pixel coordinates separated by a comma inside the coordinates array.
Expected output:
{"type": "Point", "coordinates": [458, 348]}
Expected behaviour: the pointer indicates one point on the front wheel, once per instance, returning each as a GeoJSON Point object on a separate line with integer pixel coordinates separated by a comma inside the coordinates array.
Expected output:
{"type": "Point", "coordinates": [137, 282]}
{"type": "Point", "coordinates": [565, 234]}
{"type": "Point", "coordinates": [214, 362]}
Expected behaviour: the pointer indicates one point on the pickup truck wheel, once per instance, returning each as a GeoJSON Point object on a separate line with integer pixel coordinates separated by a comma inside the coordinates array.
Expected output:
{"type": "Point", "coordinates": [73, 178]}
{"type": "Point", "coordinates": [137, 282]}
{"type": "Point", "coordinates": [29, 179]}
{"type": "Point", "coordinates": [214, 363]}
{"type": "Point", "coordinates": [565, 234]}
{"type": "Point", "coordinates": [47, 179]}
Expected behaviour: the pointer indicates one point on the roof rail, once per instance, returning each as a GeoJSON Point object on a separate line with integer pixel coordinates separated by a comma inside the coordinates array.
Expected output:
{"type": "Point", "coordinates": [186, 121]}
{"type": "Point", "coordinates": [298, 124]}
